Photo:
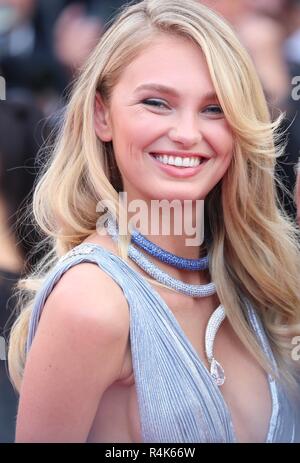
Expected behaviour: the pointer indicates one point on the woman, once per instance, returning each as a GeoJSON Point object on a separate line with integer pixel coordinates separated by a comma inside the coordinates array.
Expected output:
{"type": "Point", "coordinates": [208, 358]}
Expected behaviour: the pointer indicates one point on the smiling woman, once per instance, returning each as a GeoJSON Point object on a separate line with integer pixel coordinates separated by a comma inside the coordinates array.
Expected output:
{"type": "Point", "coordinates": [179, 120]}
{"type": "Point", "coordinates": [139, 338]}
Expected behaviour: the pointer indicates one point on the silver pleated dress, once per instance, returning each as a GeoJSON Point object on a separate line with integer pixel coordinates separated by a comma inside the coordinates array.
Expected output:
{"type": "Point", "coordinates": [178, 400]}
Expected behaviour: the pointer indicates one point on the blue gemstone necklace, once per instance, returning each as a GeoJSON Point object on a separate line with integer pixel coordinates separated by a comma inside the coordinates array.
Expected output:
{"type": "Point", "coordinates": [216, 319]}
{"type": "Point", "coordinates": [167, 257]}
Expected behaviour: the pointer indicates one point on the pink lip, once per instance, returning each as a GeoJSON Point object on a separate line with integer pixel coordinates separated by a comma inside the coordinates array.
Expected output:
{"type": "Point", "coordinates": [179, 172]}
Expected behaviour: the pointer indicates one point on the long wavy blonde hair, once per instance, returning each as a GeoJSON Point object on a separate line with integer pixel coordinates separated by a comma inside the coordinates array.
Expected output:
{"type": "Point", "coordinates": [254, 251]}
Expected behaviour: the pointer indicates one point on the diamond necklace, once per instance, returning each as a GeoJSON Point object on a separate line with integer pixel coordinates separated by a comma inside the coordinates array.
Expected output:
{"type": "Point", "coordinates": [214, 323]}
{"type": "Point", "coordinates": [215, 320]}
{"type": "Point", "coordinates": [162, 277]}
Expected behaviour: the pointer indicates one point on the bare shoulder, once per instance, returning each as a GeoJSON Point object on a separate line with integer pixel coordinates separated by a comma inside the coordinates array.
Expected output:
{"type": "Point", "coordinates": [86, 292]}
{"type": "Point", "coordinates": [88, 299]}
{"type": "Point", "coordinates": [77, 353]}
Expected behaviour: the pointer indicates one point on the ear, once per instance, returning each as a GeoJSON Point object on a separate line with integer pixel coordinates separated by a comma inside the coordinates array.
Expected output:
{"type": "Point", "coordinates": [102, 119]}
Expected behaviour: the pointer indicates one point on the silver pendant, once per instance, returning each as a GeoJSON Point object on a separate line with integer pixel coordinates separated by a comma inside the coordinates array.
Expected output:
{"type": "Point", "coordinates": [217, 372]}
{"type": "Point", "coordinates": [214, 323]}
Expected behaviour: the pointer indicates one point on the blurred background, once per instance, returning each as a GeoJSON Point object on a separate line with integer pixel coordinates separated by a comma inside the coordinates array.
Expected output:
{"type": "Point", "coordinates": [43, 43]}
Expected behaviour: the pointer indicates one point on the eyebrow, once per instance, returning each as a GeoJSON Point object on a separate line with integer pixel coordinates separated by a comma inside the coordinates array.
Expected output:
{"type": "Point", "coordinates": [171, 91]}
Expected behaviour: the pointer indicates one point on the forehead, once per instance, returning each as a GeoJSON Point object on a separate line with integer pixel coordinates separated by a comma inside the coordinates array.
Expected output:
{"type": "Point", "coordinates": [169, 60]}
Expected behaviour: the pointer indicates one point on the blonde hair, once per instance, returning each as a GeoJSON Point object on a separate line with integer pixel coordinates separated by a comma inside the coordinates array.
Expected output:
{"type": "Point", "coordinates": [254, 251]}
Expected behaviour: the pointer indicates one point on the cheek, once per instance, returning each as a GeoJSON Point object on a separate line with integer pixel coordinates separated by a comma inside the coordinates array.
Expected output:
{"type": "Point", "coordinates": [221, 139]}
{"type": "Point", "coordinates": [134, 134]}
{"type": "Point", "coordinates": [129, 141]}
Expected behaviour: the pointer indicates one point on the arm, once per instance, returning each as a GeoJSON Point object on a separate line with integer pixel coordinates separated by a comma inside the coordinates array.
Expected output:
{"type": "Point", "coordinates": [76, 355]}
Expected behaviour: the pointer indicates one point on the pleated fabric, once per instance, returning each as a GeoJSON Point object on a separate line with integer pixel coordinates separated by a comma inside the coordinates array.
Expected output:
{"type": "Point", "coordinates": [177, 398]}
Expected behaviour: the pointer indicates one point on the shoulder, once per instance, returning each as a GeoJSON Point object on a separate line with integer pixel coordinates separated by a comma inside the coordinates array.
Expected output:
{"type": "Point", "coordinates": [91, 290]}
{"type": "Point", "coordinates": [86, 293]}
{"type": "Point", "coordinates": [87, 298]}
{"type": "Point", "coordinates": [77, 353]}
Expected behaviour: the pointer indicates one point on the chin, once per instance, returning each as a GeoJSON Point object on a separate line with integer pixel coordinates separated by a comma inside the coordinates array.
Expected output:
{"type": "Point", "coordinates": [172, 196]}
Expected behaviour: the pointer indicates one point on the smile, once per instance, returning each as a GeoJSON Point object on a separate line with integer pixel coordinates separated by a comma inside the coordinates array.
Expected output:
{"type": "Point", "coordinates": [179, 166]}
{"type": "Point", "coordinates": [177, 160]}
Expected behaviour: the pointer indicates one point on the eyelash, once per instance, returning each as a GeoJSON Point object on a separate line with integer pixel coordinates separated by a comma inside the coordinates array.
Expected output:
{"type": "Point", "coordinates": [150, 101]}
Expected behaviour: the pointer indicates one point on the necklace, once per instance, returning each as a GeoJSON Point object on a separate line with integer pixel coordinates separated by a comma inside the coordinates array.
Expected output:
{"type": "Point", "coordinates": [151, 269]}
{"type": "Point", "coordinates": [215, 320]}
{"type": "Point", "coordinates": [214, 323]}
{"type": "Point", "coordinates": [167, 257]}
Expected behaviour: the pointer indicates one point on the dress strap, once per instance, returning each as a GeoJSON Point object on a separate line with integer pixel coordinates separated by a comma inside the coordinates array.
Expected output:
{"type": "Point", "coordinates": [85, 252]}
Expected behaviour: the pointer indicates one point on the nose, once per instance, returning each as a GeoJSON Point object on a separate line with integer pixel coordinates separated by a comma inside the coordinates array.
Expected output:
{"type": "Point", "coordinates": [186, 130]}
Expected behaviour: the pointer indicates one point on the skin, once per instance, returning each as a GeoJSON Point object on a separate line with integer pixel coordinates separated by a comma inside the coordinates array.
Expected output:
{"type": "Point", "coordinates": [70, 392]}
{"type": "Point", "coordinates": [187, 122]}
{"type": "Point", "coordinates": [144, 121]}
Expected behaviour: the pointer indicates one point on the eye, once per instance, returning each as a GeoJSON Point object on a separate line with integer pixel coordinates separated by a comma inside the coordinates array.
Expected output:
{"type": "Point", "coordinates": [156, 103]}
{"type": "Point", "coordinates": [214, 109]}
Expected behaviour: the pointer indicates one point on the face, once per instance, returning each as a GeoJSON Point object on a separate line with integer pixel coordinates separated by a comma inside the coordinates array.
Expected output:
{"type": "Point", "coordinates": [164, 104]}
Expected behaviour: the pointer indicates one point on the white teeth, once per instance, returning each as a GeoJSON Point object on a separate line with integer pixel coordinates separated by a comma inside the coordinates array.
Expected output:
{"type": "Point", "coordinates": [178, 161]}
{"type": "Point", "coordinates": [186, 162]}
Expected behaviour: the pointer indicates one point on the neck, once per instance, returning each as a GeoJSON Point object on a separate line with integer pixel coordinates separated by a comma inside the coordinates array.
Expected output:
{"type": "Point", "coordinates": [176, 226]}
{"type": "Point", "coordinates": [176, 230]}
